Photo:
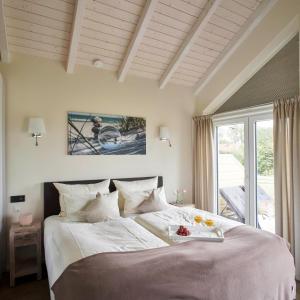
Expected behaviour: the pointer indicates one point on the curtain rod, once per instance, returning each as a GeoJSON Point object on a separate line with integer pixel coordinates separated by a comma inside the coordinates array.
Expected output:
{"type": "Point", "coordinates": [260, 109]}
{"type": "Point", "coordinates": [245, 108]}
{"type": "Point", "coordinates": [253, 106]}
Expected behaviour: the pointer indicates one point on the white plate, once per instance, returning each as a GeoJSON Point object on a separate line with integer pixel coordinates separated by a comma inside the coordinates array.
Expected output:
{"type": "Point", "coordinates": [198, 232]}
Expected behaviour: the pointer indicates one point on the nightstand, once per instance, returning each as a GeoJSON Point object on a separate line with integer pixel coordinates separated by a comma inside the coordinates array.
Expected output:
{"type": "Point", "coordinates": [24, 236]}
{"type": "Point", "coordinates": [183, 204]}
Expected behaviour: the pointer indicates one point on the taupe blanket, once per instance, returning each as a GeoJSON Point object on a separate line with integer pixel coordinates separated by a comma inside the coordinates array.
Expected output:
{"type": "Point", "coordinates": [249, 265]}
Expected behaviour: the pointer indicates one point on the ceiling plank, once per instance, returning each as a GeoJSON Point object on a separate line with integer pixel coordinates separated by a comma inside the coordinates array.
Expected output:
{"type": "Point", "coordinates": [5, 57]}
{"type": "Point", "coordinates": [201, 22]}
{"type": "Point", "coordinates": [137, 38]}
{"type": "Point", "coordinates": [78, 17]}
{"type": "Point", "coordinates": [248, 28]}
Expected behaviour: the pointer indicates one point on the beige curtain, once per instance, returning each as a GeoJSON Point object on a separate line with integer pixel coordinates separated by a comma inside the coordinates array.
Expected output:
{"type": "Point", "coordinates": [287, 166]}
{"type": "Point", "coordinates": [203, 162]}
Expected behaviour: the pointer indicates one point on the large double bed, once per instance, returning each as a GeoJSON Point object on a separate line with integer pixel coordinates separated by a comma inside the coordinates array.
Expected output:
{"type": "Point", "coordinates": [134, 258]}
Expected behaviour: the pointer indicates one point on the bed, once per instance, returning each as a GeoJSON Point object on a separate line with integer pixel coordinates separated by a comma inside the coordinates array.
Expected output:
{"type": "Point", "coordinates": [133, 258]}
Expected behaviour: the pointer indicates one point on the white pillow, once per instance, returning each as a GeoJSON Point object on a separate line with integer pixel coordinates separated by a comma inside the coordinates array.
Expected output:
{"type": "Point", "coordinates": [73, 204]}
{"type": "Point", "coordinates": [156, 202]}
{"type": "Point", "coordinates": [134, 186]}
{"type": "Point", "coordinates": [80, 189]}
{"type": "Point", "coordinates": [104, 207]}
{"type": "Point", "coordinates": [133, 200]}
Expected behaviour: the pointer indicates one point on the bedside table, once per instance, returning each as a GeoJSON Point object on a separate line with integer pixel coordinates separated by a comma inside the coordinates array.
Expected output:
{"type": "Point", "coordinates": [183, 204]}
{"type": "Point", "coordinates": [22, 236]}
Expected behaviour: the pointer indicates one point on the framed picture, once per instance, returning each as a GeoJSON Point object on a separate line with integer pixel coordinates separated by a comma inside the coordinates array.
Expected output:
{"type": "Point", "coordinates": [99, 134]}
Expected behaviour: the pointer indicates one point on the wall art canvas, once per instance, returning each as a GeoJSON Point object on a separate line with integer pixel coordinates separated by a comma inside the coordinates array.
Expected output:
{"type": "Point", "coordinates": [99, 134]}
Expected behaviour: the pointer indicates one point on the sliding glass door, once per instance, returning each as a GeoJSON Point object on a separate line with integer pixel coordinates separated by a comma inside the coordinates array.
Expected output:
{"type": "Point", "coordinates": [244, 170]}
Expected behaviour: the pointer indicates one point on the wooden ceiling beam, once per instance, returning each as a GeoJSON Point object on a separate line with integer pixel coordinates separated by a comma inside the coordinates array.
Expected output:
{"type": "Point", "coordinates": [234, 44]}
{"type": "Point", "coordinates": [187, 43]}
{"type": "Point", "coordinates": [5, 56]}
{"type": "Point", "coordinates": [77, 21]}
{"type": "Point", "coordinates": [136, 40]}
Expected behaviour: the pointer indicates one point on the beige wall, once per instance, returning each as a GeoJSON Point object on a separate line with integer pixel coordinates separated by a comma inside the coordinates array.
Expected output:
{"type": "Point", "coordinates": [40, 87]}
{"type": "Point", "coordinates": [278, 18]}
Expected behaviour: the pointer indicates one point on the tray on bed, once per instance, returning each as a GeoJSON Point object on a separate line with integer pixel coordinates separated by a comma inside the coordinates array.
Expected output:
{"type": "Point", "coordinates": [198, 232]}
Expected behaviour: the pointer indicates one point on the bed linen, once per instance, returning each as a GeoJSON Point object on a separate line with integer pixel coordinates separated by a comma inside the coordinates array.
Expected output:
{"type": "Point", "coordinates": [67, 242]}
{"type": "Point", "coordinates": [242, 267]}
{"type": "Point", "coordinates": [158, 222]}
{"type": "Point", "coordinates": [248, 257]}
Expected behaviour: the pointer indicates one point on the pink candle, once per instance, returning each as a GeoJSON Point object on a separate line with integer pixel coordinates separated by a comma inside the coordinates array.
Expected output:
{"type": "Point", "coordinates": [25, 219]}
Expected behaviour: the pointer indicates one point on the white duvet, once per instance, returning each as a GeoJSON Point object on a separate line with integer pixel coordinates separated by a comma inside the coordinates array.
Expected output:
{"type": "Point", "coordinates": [158, 222]}
{"type": "Point", "coordinates": [67, 242]}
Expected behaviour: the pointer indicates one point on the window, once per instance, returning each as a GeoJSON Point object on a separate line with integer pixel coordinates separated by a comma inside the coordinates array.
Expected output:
{"type": "Point", "coordinates": [244, 169]}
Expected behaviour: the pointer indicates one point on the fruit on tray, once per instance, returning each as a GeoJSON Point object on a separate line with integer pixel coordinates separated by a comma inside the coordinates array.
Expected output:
{"type": "Point", "coordinates": [183, 231]}
{"type": "Point", "coordinates": [209, 222]}
{"type": "Point", "coordinates": [198, 219]}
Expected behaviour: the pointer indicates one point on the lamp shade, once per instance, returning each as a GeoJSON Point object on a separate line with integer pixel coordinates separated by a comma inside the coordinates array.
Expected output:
{"type": "Point", "coordinates": [36, 126]}
{"type": "Point", "coordinates": [164, 133]}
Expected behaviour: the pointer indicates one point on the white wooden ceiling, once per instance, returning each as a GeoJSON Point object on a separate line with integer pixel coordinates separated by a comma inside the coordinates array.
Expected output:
{"type": "Point", "coordinates": [177, 41]}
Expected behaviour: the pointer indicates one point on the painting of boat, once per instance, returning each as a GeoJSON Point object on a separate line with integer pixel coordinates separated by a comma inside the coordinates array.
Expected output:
{"type": "Point", "coordinates": [100, 134]}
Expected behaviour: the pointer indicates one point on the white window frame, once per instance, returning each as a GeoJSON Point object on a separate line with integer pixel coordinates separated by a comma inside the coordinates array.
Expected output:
{"type": "Point", "coordinates": [248, 117]}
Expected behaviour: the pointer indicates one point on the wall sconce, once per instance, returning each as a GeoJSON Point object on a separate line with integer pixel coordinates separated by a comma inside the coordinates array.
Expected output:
{"type": "Point", "coordinates": [36, 128]}
{"type": "Point", "coordinates": [164, 134]}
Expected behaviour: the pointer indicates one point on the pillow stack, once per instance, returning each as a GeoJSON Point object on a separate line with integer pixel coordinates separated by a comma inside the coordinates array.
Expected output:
{"type": "Point", "coordinates": [74, 197]}
{"type": "Point", "coordinates": [134, 186]}
{"type": "Point", "coordinates": [141, 196]}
